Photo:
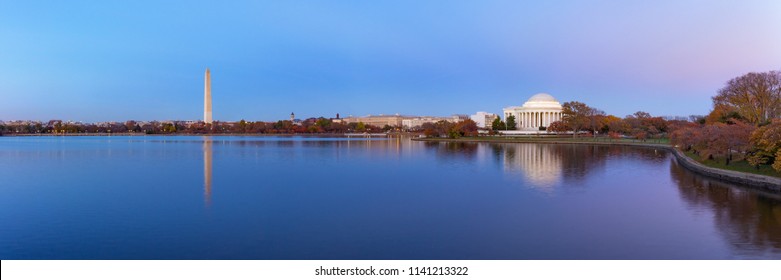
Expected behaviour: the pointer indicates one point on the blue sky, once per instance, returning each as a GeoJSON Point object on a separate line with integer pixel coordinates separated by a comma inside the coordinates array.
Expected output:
{"type": "Point", "coordinates": [144, 60]}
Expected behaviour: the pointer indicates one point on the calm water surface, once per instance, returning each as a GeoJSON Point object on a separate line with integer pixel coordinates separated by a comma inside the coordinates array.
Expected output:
{"type": "Point", "coordinates": [329, 198]}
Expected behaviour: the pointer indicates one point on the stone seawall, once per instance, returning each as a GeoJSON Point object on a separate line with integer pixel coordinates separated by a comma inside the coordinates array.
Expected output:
{"type": "Point", "coordinates": [762, 182]}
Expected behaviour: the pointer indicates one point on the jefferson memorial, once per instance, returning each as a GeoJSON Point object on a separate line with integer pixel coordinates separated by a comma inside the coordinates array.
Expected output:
{"type": "Point", "coordinates": [540, 110]}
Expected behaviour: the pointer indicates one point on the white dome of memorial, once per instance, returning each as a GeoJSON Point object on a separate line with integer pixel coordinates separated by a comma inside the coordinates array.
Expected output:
{"type": "Point", "coordinates": [541, 99]}
{"type": "Point", "coordinates": [540, 110]}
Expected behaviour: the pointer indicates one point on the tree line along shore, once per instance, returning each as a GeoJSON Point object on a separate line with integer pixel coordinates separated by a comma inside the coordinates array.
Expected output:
{"type": "Point", "coordinates": [742, 131]}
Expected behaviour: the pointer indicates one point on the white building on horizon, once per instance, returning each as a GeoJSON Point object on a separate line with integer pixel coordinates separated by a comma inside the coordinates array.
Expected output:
{"type": "Point", "coordinates": [483, 119]}
{"type": "Point", "coordinates": [416, 122]}
{"type": "Point", "coordinates": [539, 111]}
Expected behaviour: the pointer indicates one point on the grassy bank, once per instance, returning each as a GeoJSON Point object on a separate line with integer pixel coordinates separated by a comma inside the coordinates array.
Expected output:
{"type": "Point", "coordinates": [740, 166]}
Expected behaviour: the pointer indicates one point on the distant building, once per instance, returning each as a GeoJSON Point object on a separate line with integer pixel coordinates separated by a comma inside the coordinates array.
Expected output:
{"type": "Point", "coordinates": [379, 121]}
{"type": "Point", "coordinates": [187, 123]}
{"type": "Point", "coordinates": [483, 119]}
{"type": "Point", "coordinates": [397, 120]}
{"type": "Point", "coordinates": [294, 120]}
{"type": "Point", "coordinates": [540, 110]}
{"type": "Point", "coordinates": [675, 118]}
{"type": "Point", "coordinates": [415, 122]}
{"type": "Point", "coordinates": [337, 119]}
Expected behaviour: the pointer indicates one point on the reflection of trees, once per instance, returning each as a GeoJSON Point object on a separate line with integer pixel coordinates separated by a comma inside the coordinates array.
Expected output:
{"type": "Point", "coordinates": [248, 143]}
{"type": "Point", "coordinates": [379, 146]}
{"type": "Point", "coordinates": [579, 160]}
{"type": "Point", "coordinates": [317, 144]}
{"type": "Point", "coordinates": [376, 146]}
{"type": "Point", "coordinates": [286, 143]}
{"type": "Point", "coordinates": [496, 151]}
{"type": "Point", "coordinates": [545, 164]}
{"type": "Point", "coordinates": [447, 150]}
{"type": "Point", "coordinates": [749, 220]}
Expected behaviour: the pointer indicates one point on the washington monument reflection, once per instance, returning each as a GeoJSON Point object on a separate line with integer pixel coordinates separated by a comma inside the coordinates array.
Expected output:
{"type": "Point", "coordinates": [207, 170]}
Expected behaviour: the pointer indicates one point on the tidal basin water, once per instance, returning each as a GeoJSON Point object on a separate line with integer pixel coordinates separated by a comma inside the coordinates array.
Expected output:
{"type": "Point", "coordinates": [181, 197]}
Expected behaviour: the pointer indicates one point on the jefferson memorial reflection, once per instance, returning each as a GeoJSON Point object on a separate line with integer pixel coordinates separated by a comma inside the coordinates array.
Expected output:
{"type": "Point", "coordinates": [538, 164]}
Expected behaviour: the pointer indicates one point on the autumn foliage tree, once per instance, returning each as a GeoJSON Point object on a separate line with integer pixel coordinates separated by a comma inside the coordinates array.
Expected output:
{"type": "Point", "coordinates": [615, 124]}
{"type": "Point", "coordinates": [766, 142]}
{"type": "Point", "coordinates": [642, 125]}
{"type": "Point", "coordinates": [466, 128]}
{"type": "Point", "coordinates": [686, 135]}
{"type": "Point", "coordinates": [558, 127]}
{"type": "Point", "coordinates": [715, 141]}
{"type": "Point", "coordinates": [733, 139]}
{"type": "Point", "coordinates": [451, 130]}
{"type": "Point", "coordinates": [576, 115]}
{"type": "Point", "coordinates": [745, 123]}
{"type": "Point", "coordinates": [756, 97]}
{"type": "Point", "coordinates": [596, 121]}
{"type": "Point", "coordinates": [722, 114]}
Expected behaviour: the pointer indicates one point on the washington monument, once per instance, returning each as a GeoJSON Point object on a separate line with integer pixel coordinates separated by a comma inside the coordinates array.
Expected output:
{"type": "Point", "coordinates": [207, 97]}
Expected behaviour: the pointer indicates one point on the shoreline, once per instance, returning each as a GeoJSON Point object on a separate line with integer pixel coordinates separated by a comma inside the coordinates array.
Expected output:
{"type": "Point", "coordinates": [341, 135]}
{"type": "Point", "coordinates": [756, 181]}
{"type": "Point", "coordinates": [761, 182]}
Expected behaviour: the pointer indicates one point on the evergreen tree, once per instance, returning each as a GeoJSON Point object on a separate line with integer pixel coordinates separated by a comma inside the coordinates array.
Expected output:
{"type": "Point", "coordinates": [511, 122]}
{"type": "Point", "coordinates": [497, 124]}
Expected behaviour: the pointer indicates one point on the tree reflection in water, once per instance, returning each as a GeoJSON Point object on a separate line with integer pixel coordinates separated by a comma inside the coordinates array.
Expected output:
{"type": "Point", "coordinates": [749, 220]}
{"type": "Point", "coordinates": [448, 150]}
{"type": "Point", "coordinates": [279, 197]}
